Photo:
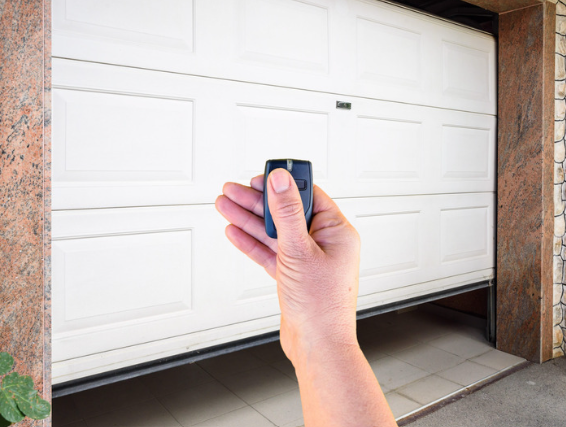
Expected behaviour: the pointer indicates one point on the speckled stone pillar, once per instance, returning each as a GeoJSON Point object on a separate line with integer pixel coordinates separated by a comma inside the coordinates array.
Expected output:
{"type": "Point", "coordinates": [525, 217]}
{"type": "Point", "coordinates": [25, 145]}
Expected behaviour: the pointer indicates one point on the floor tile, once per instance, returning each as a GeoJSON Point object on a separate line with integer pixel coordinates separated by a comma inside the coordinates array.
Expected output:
{"type": "Point", "coordinates": [175, 379]}
{"type": "Point", "coordinates": [258, 384]}
{"type": "Point", "coordinates": [269, 353]}
{"type": "Point", "coordinates": [146, 414]}
{"type": "Point", "coordinates": [461, 345]}
{"type": "Point", "coordinates": [478, 334]}
{"type": "Point", "coordinates": [64, 411]}
{"type": "Point", "coordinates": [100, 400]}
{"type": "Point", "coordinates": [429, 330]}
{"type": "Point", "coordinates": [394, 341]}
{"type": "Point", "coordinates": [497, 360]}
{"type": "Point", "coordinates": [297, 423]}
{"type": "Point", "coordinates": [286, 367]}
{"type": "Point", "coordinates": [429, 358]}
{"type": "Point", "coordinates": [372, 349]}
{"type": "Point", "coordinates": [195, 405]}
{"type": "Point", "coordinates": [393, 373]}
{"type": "Point", "coordinates": [400, 405]}
{"type": "Point", "coordinates": [429, 389]}
{"type": "Point", "coordinates": [230, 364]}
{"type": "Point", "coordinates": [283, 409]}
{"type": "Point", "coordinates": [245, 416]}
{"type": "Point", "coordinates": [467, 373]}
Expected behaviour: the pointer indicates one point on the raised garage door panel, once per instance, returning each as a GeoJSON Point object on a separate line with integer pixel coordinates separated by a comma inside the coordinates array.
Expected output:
{"type": "Point", "coordinates": [404, 56]}
{"type": "Point", "coordinates": [131, 276]}
{"type": "Point", "coordinates": [415, 239]}
{"type": "Point", "coordinates": [137, 138]}
{"type": "Point", "coordinates": [409, 149]}
{"type": "Point", "coordinates": [352, 47]}
{"type": "Point", "coordinates": [141, 138]}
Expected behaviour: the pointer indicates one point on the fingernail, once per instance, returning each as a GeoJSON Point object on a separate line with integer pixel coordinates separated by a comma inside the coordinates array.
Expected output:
{"type": "Point", "coordinates": [280, 180]}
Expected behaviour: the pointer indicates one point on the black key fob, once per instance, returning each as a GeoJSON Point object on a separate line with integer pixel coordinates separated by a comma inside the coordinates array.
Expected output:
{"type": "Point", "coordinates": [301, 171]}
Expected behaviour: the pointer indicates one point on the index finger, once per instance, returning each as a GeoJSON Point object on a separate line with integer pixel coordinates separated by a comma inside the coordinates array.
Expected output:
{"type": "Point", "coordinates": [257, 183]}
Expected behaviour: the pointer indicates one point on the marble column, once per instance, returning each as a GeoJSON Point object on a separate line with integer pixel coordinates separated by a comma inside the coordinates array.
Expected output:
{"type": "Point", "coordinates": [525, 221]}
{"type": "Point", "coordinates": [25, 147]}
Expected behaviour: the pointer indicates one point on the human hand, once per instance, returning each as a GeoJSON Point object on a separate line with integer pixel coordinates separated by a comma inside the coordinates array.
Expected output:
{"type": "Point", "coordinates": [316, 273]}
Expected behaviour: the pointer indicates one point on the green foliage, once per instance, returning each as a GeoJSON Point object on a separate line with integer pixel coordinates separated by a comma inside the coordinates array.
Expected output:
{"type": "Point", "coordinates": [18, 398]}
{"type": "Point", "coordinates": [6, 363]}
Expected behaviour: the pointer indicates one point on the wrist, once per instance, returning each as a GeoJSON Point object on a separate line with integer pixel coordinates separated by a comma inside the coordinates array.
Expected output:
{"type": "Point", "coordinates": [320, 349]}
{"type": "Point", "coordinates": [316, 361]}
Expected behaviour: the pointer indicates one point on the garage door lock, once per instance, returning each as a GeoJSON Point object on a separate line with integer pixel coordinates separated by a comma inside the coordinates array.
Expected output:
{"type": "Point", "coordinates": [344, 105]}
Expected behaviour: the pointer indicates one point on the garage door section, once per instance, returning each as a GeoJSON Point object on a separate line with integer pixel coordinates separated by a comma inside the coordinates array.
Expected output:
{"type": "Point", "coordinates": [157, 103]}
{"type": "Point", "coordinates": [356, 47]}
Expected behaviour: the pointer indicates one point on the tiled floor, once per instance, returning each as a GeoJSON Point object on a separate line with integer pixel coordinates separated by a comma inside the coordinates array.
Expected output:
{"type": "Point", "coordinates": [417, 357]}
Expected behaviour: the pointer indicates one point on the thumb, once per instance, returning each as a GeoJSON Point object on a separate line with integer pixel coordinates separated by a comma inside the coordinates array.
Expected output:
{"type": "Point", "coordinates": [287, 211]}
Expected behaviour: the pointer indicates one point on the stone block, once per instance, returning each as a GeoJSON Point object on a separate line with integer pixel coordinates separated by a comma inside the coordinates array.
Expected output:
{"type": "Point", "coordinates": [557, 247]}
{"type": "Point", "coordinates": [563, 300]}
{"type": "Point", "coordinates": [558, 202]}
{"type": "Point", "coordinates": [559, 225]}
{"type": "Point", "coordinates": [560, 89]}
{"type": "Point", "coordinates": [557, 293]}
{"type": "Point", "coordinates": [557, 267]}
{"type": "Point", "coordinates": [557, 352]}
{"type": "Point", "coordinates": [559, 109]}
{"type": "Point", "coordinates": [557, 336]}
{"type": "Point", "coordinates": [561, 24]}
{"type": "Point", "coordinates": [559, 68]}
{"type": "Point", "coordinates": [559, 150]}
{"type": "Point", "coordinates": [559, 128]}
{"type": "Point", "coordinates": [557, 314]}
{"type": "Point", "coordinates": [563, 253]}
{"type": "Point", "coordinates": [564, 191]}
{"type": "Point", "coordinates": [560, 8]}
{"type": "Point", "coordinates": [558, 173]}
{"type": "Point", "coordinates": [560, 44]}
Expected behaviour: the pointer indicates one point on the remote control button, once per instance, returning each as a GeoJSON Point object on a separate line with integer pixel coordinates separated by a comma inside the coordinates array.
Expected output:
{"type": "Point", "coordinates": [301, 184]}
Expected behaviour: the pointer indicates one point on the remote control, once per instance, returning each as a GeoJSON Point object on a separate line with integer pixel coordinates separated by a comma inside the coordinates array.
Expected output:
{"type": "Point", "coordinates": [301, 171]}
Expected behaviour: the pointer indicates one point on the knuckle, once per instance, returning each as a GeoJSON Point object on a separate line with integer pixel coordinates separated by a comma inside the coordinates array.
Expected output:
{"type": "Point", "coordinates": [257, 208]}
{"type": "Point", "coordinates": [355, 235]}
{"type": "Point", "coordinates": [290, 209]}
{"type": "Point", "coordinates": [355, 238]}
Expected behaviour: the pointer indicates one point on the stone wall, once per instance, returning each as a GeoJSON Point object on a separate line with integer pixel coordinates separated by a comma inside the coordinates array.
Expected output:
{"type": "Point", "coordinates": [559, 298]}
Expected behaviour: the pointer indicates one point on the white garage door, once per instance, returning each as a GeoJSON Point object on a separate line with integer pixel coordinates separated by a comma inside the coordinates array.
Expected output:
{"type": "Point", "coordinates": [157, 103]}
